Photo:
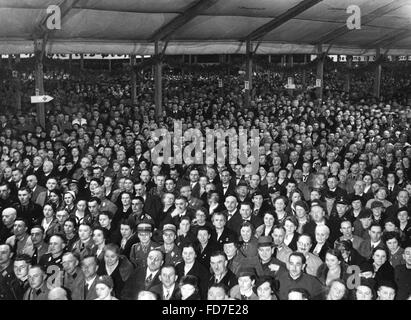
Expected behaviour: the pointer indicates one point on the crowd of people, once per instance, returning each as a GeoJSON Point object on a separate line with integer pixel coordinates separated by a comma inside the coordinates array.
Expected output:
{"type": "Point", "coordinates": [89, 214]}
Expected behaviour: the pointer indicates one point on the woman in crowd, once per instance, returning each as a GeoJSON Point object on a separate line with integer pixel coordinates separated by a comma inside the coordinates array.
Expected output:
{"type": "Point", "coordinates": [266, 229]}
{"type": "Point", "coordinates": [291, 234]}
{"type": "Point", "coordinates": [100, 235]}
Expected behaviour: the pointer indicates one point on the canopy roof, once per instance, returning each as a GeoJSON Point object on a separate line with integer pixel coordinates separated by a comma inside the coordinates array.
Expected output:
{"type": "Point", "coordinates": [207, 26]}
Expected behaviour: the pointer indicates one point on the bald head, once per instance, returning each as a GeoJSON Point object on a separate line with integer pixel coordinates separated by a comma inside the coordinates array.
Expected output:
{"type": "Point", "coordinates": [8, 216]}
{"type": "Point", "coordinates": [31, 181]}
{"type": "Point", "coordinates": [57, 294]}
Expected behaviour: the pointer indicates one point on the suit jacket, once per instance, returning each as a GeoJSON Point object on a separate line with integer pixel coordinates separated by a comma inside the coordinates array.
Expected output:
{"type": "Point", "coordinates": [158, 289]}
{"type": "Point", "coordinates": [136, 282]}
{"type": "Point", "coordinates": [75, 284]}
{"type": "Point", "coordinates": [41, 198]}
{"type": "Point", "coordinates": [234, 224]}
{"type": "Point", "coordinates": [229, 280]}
{"type": "Point", "coordinates": [224, 235]}
{"type": "Point", "coordinates": [40, 294]}
{"type": "Point", "coordinates": [365, 248]}
{"type": "Point", "coordinates": [36, 192]}
{"type": "Point", "coordinates": [195, 192]}
{"type": "Point", "coordinates": [152, 206]}
{"type": "Point", "coordinates": [200, 272]}
{"type": "Point", "coordinates": [230, 190]}
{"type": "Point", "coordinates": [91, 292]}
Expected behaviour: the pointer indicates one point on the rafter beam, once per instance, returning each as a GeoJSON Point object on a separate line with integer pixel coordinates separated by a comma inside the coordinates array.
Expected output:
{"type": "Point", "coordinates": [165, 32]}
{"type": "Point", "coordinates": [281, 19]}
{"type": "Point", "coordinates": [381, 11]}
{"type": "Point", "coordinates": [389, 40]}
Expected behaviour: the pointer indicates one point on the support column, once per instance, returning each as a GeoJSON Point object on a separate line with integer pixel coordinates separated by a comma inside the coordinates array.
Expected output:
{"type": "Point", "coordinates": [320, 74]}
{"type": "Point", "coordinates": [82, 61]}
{"type": "Point", "coordinates": [157, 80]}
{"type": "Point", "coordinates": [70, 61]}
{"type": "Point", "coordinates": [291, 60]}
{"type": "Point", "coordinates": [304, 80]}
{"type": "Point", "coordinates": [39, 80]}
{"type": "Point", "coordinates": [133, 79]}
{"type": "Point", "coordinates": [195, 59]}
{"type": "Point", "coordinates": [109, 65]}
{"type": "Point", "coordinates": [348, 76]}
{"type": "Point", "coordinates": [249, 72]}
{"type": "Point", "coordinates": [377, 77]}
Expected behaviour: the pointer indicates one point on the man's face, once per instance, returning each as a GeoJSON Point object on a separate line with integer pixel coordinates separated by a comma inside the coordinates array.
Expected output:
{"type": "Point", "coordinates": [169, 237]}
{"type": "Point", "coordinates": [403, 197]}
{"type": "Point", "coordinates": [93, 207]}
{"type": "Point", "coordinates": [194, 176]}
{"type": "Point", "coordinates": [245, 211]}
{"type": "Point", "coordinates": [295, 266]}
{"type": "Point", "coordinates": [69, 263]}
{"type": "Point", "coordinates": [304, 245]}
{"type": "Point", "coordinates": [24, 196]}
{"type": "Point", "coordinates": [181, 205]}
{"type": "Point", "coordinates": [36, 235]}
{"type": "Point", "coordinates": [36, 278]}
{"type": "Point", "coordinates": [386, 293]}
{"type": "Point", "coordinates": [218, 265]}
{"type": "Point", "coordinates": [230, 249]}
{"type": "Point", "coordinates": [168, 277]}
{"type": "Point", "coordinates": [19, 228]}
{"type": "Point", "coordinates": [56, 245]}
{"type": "Point", "coordinates": [89, 267]}
{"type": "Point", "coordinates": [346, 229]}
{"type": "Point", "coordinates": [17, 176]}
{"type": "Point", "coordinates": [5, 254]}
{"type": "Point", "coordinates": [317, 213]}
{"type": "Point", "coordinates": [203, 237]}
{"type": "Point", "coordinates": [245, 283]}
{"type": "Point", "coordinates": [278, 236]}
{"type": "Point", "coordinates": [154, 260]}
{"type": "Point", "coordinates": [31, 181]}
{"type": "Point", "coordinates": [225, 177]}
{"type": "Point", "coordinates": [230, 203]}
{"type": "Point", "coordinates": [265, 253]}
{"type": "Point", "coordinates": [4, 192]}
{"type": "Point", "coordinates": [407, 256]}
{"type": "Point", "coordinates": [189, 255]}
{"type": "Point", "coordinates": [375, 233]}
{"type": "Point", "coordinates": [21, 269]}
{"type": "Point", "coordinates": [216, 294]}
{"type": "Point", "coordinates": [84, 232]}
{"type": "Point", "coordinates": [51, 184]}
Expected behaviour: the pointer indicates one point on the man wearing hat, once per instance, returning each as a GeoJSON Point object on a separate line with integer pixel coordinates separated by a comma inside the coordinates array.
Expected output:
{"type": "Point", "coordinates": [171, 252]}
{"type": "Point", "coordinates": [246, 281]}
{"type": "Point", "coordinates": [139, 251]}
{"type": "Point", "coordinates": [362, 223]}
{"type": "Point", "coordinates": [402, 200]}
{"type": "Point", "coordinates": [269, 264]}
{"type": "Point", "coordinates": [346, 228]}
{"type": "Point", "coordinates": [377, 212]}
{"type": "Point", "coordinates": [342, 213]}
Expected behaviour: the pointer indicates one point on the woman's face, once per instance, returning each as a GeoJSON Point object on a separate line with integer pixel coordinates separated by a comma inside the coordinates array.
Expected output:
{"type": "Point", "coordinates": [201, 217]}
{"type": "Point", "coordinates": [246, 233]}
{"type": "Point", "coordinates": [186, 291]}
{"type": "Point", "coordinates": [268, 220]}
{"type": "Point", "coordinates": [331, 261]}
{"type": "Point", "coordinates": [68, 199]}
{"type": "Point", "coordinates": [379, 257]}
{"type": "Point", "coordinates": [279, 205]}
{"type": "Point", "coordinates": [296, 197]}
{"type": "Point", "coordinates": [102, 291]}
{"type": "Point", "coordinates": [104, 220]}
{"type": "Point", "coordinates": [168, 199]}
{"type": "Point", "coordinates": [300, 212]}
{"type": "Point", "coordinates": [54, 197]}
{"type": "Point", "coordinates": [289, 227]}
{"type": "Point", "coordinates": [184, 226]}
{"type": "Point", "coordinates": [81, 205]}
{"type": "Point", "coordinates": [48, 211]}
{"type": "Point", "coordinates": [110, 258]}
{"type": "Point", "coordinates": [93, 185]}
{"type": "Point", "coordinates": [125, 231]}
{"type": "Point", "coordinates": [402, 216]}
{"type": "Point", "coordinates": [337, 291]}
{"type": "Point", "coordinates": [68, 227]}
{"type": "Point", "coordinates": [392, 244]}
{"type": "Point", "coordinates": [264, 291]}
{"type": "Point", "coordinates": [98, 237]}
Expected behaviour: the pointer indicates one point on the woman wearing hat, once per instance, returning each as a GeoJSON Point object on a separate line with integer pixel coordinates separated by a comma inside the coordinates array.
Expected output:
{"type": "Point", "coordinates": [69, 199]}
{"type": "Point", "coordinates": [104, 287]}
{"type": "Point", "coordinates": [188, 288]}
{"type": "Point", "coordinates": [249, 243]}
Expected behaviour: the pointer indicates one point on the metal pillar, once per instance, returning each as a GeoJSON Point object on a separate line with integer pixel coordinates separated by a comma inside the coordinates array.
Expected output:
{"type": "Point", "coordinates": [157, 81]}
{"type": "Point", "coordinates": [377, 78]}
{"type": "Point", "coordinates": [249, 72]}
{"type": "Point", "coordinates": [39, 80]}
{"type": "Point", "coordinates": [320, 74]}
{"type": "Point", "coordinates": [348, 76]}
{"type": "Point", "coordinates": [133, 79]}
{"type": "Point", "coordinates": [81, 61]}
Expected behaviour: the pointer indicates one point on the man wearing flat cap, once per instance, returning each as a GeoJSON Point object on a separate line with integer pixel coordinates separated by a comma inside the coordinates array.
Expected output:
{"type": "Point", "coordinates": [139, 251]}
{"type": "Point", "coordinates": [171, 252]}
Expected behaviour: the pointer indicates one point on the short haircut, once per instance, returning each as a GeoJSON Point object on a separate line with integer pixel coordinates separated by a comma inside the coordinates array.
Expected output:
{"type": "Point", "coordinates": [23, 257]}
{"type": "Point", "coordinates": [218, 253]}
{"type": "Point", "coordinates": [298, 254]}
{"type": "Point", "coordinates": [304, 293]}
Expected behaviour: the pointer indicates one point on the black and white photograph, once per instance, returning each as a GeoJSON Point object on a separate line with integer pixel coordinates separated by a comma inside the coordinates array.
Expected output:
{"type": "Point", "coordinates": [217, 151]}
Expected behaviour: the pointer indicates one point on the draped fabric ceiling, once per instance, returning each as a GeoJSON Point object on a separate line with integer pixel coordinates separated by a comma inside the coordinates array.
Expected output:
{"type": "Point", "coordinates": [207, 26]}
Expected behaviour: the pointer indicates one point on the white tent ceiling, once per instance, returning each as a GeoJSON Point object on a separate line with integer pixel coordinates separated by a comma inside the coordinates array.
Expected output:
{"type": "Point", "coordinates": [207, 26]}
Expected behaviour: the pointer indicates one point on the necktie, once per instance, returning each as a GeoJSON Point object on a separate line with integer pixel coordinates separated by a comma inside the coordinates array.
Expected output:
{"type": "Point", "coordinates": [35, 256]}
{"type": "Point", "coordinates": [167, 295]}
{"type": "Point", "coordinates": [149, 278]}
{"type": "Point", "coordinates": [86, 288]}
{"type": "Point", "coordinates": [275, 252]}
